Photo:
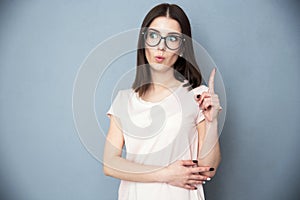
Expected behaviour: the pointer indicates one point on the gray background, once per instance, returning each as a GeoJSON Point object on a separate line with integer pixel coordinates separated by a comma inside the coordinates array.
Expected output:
{"type": "Point", "coordinates": [254, 43]}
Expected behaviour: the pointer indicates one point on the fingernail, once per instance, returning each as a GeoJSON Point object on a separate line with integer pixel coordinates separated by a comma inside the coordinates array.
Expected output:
{"type": "Point", "coordinates": [195, 161]}
{"type": "Point", "coordinates": [208, 179]}
{"type": "Point", "coordinates": [211, 169]}
{"type": "Point", "coordinates": [203, 182]}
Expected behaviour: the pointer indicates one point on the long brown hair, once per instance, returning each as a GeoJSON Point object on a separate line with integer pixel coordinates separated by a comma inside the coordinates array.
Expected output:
{"type": "Point", "coordinates": [185, 68]}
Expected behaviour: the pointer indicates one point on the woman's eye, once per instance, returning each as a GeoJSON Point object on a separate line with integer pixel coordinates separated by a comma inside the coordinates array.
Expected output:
{"type": "Point", "coordinates": [153, 35]}
{"type": "Point", "coordinates": [173, 38]}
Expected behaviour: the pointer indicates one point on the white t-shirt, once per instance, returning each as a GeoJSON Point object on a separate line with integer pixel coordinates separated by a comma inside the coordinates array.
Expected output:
{"type": "Point", "coordinates": [159, 134]}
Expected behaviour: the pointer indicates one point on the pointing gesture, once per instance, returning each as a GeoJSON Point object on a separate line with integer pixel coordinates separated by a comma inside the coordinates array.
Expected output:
{"type": "Point", "coordinates": [209, 101]}
{"type": "Point", "coordinates": [211, 82]}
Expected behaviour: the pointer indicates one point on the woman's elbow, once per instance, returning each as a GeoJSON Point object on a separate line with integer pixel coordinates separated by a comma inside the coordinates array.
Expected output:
{"type": "Point", "coordinates": [213, 173]}
{"type": "Point", "coordinates": [106, 170]}
{"type": "Point", "coordinates": [108, 165]}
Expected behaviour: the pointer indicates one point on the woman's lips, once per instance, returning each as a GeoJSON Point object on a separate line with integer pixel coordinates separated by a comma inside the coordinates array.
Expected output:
{"type": "Point", "coordinates": [159, 59]}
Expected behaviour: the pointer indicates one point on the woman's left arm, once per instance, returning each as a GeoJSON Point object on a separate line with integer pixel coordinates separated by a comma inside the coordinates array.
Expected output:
{"type": "Point", "coordinates": [209, 153]}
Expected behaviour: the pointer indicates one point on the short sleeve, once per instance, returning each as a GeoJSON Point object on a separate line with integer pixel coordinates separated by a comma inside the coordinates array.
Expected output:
{"type": "Point", "coordinates": [111, 110]}
{"type": "Point", "coordinates": [199, 90]}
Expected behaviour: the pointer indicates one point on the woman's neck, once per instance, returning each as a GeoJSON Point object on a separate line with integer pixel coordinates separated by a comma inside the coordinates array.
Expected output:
{"type": "Point", "coordinates": [164, 79]}
{"type": "Point", "coordinates": [163, 84]}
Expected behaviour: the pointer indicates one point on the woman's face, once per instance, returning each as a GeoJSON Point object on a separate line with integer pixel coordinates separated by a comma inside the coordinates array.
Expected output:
{"type": "Point", "coordinates": [161, 57]}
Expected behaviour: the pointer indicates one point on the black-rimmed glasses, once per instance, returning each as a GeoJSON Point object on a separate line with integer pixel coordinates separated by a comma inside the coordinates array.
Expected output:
{"type": "Point", "coordinates": [173, 41]}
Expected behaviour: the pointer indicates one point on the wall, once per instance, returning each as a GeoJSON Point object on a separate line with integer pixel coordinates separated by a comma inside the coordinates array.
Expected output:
{"type": "Point", "coordinates": [255, 45]}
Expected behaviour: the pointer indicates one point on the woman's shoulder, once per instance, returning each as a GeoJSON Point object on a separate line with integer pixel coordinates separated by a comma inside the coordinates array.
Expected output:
{"type": "Point", "coordinates": [124, 93]}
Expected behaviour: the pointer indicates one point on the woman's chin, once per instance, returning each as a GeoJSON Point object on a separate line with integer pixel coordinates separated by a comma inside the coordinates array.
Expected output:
{"type": "Point", "coordinates": [159, 67]}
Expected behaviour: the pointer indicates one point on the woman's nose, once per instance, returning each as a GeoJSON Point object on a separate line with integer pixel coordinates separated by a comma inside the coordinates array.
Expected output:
{"type": "Point", "coordinates": [162, 44]}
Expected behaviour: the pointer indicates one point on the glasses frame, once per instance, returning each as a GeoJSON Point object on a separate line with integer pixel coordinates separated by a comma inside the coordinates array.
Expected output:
{"type": "Point", "coordinates": [144, 33]}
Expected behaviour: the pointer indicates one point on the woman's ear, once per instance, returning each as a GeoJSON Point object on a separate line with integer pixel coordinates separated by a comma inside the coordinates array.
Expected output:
{"type": "Point", "coordinates": [181, 52]}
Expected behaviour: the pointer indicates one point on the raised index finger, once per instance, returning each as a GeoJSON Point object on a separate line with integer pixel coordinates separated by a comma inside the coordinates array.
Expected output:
{"type": "Point", "coordinates": [211, 81]}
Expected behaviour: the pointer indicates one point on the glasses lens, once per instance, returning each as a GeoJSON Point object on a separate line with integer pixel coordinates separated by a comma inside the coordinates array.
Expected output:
{"type": "Point", "coordinates": [173, 41]}
{"type": "Point", "coordinates": [152, 37]}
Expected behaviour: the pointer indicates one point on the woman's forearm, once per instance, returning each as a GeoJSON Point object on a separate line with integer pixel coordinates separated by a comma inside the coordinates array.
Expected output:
{"type": "Point", "coordinates": [209, 154]}
{"type": "Point", "coordinates": [116, 166]}
{"type": "Point", "coordinates": [182, 173]}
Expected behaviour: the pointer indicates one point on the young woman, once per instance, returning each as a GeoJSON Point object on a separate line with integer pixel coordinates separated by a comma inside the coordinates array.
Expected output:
{"type": "Point", "coordinates": [168, 120]}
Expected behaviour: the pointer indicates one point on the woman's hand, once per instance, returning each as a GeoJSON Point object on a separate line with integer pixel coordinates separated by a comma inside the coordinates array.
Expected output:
{"type": "Point", "coordinates": [185, 174]}
{"type": "Point", "coordinates": [209, 101]}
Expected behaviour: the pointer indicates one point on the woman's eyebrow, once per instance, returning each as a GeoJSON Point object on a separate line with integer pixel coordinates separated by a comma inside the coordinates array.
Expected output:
{"type": "Point", "coordinates": [153, 29]}
{"type": "Point", "coordinates": [170, 33]}
{"type": "Point", "coordinates": [177, 33]}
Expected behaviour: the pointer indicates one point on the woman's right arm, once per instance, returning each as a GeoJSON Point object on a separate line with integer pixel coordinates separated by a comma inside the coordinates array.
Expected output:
{"type": "Point", "coordinates": [180, 173]}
